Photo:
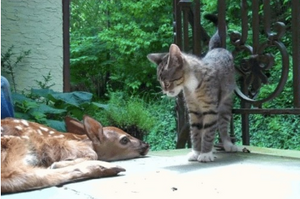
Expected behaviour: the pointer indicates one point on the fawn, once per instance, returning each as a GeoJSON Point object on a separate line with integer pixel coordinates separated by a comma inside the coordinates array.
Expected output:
{"type": "Point", "coordinates": [35, 156]}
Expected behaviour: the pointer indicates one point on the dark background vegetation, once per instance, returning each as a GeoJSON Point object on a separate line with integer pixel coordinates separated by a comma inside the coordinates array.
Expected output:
{"type": "Point", "coordinates": [113, 81]}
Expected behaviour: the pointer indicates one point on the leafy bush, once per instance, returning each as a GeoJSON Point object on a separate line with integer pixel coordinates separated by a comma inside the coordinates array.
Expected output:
{"type": "Point", "coordinates": [128, 113]}
{"type": "Point", "coordinates": [48, 107]}
{"type": "Point", "coordinates": [163, 135]}
{"type": "Point", "coordinates": [9, 64]}
{"type": "Point", "coordinates": [109, 52]}
{"type": "Point", "coordinates": [273, 131]}
{"type": "Point", "coordinates": [153, 122]}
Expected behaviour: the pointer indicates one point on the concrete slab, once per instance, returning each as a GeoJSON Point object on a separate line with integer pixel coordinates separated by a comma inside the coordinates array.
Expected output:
{"type": "Point", "coordinates": [263, 173]}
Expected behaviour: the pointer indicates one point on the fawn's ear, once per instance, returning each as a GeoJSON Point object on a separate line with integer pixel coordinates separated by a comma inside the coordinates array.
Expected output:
{"type": "Point", "coordinates": [74, 126]}
{"type": "Point", "coordinates": [93, 130]}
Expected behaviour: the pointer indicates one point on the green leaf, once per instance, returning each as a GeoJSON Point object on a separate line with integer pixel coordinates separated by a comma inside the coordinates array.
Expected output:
{"type": "Point", "coordinates": [38, 116]}
{"type": "Point", "coordinates": [22, 116]}
{"type": "Point", "coordinates": [58, 125]}
{"type": "Point", "coordinates": [74, 98]}
{"type": "Point", "coordinates": [103, 106]}
{"type": "Point", "coordinates": [42, 92]}
{"type": "Point", "coordinates": [20, 98]}
{"type": "Point", "coordinates": [43, 108]}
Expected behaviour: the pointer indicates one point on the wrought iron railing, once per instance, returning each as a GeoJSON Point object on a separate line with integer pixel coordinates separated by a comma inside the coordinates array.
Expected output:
{"type": "Point", "coordinates": [252, 69]}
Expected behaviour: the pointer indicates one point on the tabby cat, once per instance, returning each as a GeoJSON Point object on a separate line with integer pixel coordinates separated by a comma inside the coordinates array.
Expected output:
{"type": "Point", "coordinates": [207, 85]}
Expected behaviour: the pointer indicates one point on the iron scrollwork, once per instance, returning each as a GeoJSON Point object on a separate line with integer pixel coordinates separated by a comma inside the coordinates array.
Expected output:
{"type": "Point", "coordinates": [254, 69]}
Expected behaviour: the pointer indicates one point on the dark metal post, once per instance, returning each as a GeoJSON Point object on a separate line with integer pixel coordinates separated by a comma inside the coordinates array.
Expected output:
{"type": "Point", "coordinates": [255, 40]}
{"type": "Point", "coordinates": [267, 16]}
{"type": "Point", "coordinates": [185, 6]}
{"type": "Point", "coordinates": [181, 121]}
{"type": "Point", "coordinates": [255, 25]}
{"type": "Point", "coordinates": [222, 22]}
{"type": "Point", "coordinates": [174, 21]}
{"type": "Point", "coordinates": [296, 51]}
{"type": "Point", "coordinates": [197, 29]}
{"type": "Point", "coordinates": [178, 24]}
{"type": "Point", "coordinates": [66, 45]}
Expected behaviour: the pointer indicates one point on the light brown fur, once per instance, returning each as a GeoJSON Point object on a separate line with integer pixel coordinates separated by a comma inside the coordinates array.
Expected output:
{"type": "Point", "coordinates": [35, 156]}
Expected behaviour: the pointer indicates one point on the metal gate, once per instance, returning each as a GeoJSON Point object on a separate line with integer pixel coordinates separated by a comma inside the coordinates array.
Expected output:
{"type": "Point", "coordinates": [190, 35]}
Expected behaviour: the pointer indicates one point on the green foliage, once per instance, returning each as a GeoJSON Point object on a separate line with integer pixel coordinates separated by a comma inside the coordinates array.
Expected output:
{"type": "Point", "coordinates": [273, 131]}
{"type": "Point", "coordinates": [149, 121]}
{"type": "Point", "coordinates": [276, 131]}
{"type": "Point", "coordinates": [10, 62]}
{"type": "Point", "coordinates": [109, 52]}
{"type": "Point", "coordinates": [109, 44]}
{"type": "Point", "coordinates": [163, 135]}
{"type": "Point", "coordinates": [48, 107]}
{"type": "Point", "coordinates": [46, 80]}
{"type": "Point", "coordinates": [90, 65]}
{"type": "Point", "coordinates": [128, 113]}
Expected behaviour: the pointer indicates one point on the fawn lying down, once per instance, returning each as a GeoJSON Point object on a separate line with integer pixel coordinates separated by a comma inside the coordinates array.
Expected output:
{"type": "Point", "coordinates": [35, 156]}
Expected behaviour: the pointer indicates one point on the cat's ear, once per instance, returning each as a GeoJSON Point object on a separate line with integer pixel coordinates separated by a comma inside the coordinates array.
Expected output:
{"type": "Point", "coordinates": [156, 57]}
{"type": "Point", "coordinates": [175, 58]}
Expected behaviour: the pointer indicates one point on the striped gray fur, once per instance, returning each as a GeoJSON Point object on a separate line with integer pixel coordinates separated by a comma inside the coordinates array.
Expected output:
{"type": "Point", "coordinates": [207, 85]}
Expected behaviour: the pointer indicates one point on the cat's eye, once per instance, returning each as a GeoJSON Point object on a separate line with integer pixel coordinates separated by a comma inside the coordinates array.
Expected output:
{"type": "Point", "coordinates": [124, 140]}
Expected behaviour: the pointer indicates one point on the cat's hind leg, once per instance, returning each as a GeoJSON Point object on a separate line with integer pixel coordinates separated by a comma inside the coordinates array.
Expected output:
{"type": "Point", "coordinates": [203, 127]}
{"type": "Point", "coordinates": [225, 116]}
{"type": "Point", "coordinates": [209, 129]}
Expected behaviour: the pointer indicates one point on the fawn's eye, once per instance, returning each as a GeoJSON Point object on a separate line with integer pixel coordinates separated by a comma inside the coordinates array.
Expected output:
{"type": "Point", "coordinates": [124, 140]}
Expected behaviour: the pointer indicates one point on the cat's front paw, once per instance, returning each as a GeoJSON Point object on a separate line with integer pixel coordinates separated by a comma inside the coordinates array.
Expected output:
{"type": "Point", "coordinates": [193, 155]}
{"type": "Point", "coordinates": [206, 157]}
{"type": "Point", "coordinates": [229, 147]}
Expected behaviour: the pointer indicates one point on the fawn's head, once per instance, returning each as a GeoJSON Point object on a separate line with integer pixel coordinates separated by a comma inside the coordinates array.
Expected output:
{"type": "Point", "coordinates": [110, 143]}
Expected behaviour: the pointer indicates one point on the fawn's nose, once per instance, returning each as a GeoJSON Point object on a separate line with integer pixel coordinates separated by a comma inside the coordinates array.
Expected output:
{"type": "Point", "coordinates": [145, 144]}
{"type": "Point", "coordinates": [144, 148]}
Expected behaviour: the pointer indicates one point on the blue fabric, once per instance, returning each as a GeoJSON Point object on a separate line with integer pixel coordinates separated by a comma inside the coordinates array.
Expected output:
{"type": "Point", "coordinates": [7, 109]}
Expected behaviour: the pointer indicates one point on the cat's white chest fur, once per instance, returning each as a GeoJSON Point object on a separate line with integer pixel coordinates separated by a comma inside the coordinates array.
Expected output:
{"type": "Point", "coordinates": [191, 82]}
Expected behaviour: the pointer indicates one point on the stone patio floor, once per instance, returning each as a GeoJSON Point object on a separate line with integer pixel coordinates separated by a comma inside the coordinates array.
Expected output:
{"type": "Point", "coordinates": [262, 173]}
